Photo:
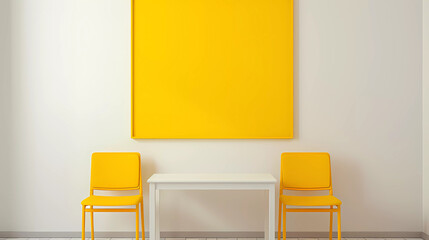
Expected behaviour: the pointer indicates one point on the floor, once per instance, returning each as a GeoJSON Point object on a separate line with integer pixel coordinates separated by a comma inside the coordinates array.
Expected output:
{"type": "Point", "coordinates": [209, 239]}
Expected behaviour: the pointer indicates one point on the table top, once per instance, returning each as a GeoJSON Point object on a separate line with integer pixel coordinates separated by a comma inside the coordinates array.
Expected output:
{"type": "Point", "coordinates": [212, 178]}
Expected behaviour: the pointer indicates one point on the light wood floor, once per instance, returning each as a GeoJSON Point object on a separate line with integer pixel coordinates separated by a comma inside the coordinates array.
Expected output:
{"type": "Point", "coordinates": [210, 239]}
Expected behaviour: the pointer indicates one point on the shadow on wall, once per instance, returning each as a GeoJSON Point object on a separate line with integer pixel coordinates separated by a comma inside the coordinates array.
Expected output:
{"type": "Point", "coordinates": [148, 169]}
{"type": "Point", "coordinates": [5, 115]}
{"type": "Point", "coordinates": [356, 198]}
{"type": "Point", "coordinates": [296, 70]}
{"type": "Point", "coordinates": [355, 202]}
{"type": "Point", "coordinates": [343, 168]}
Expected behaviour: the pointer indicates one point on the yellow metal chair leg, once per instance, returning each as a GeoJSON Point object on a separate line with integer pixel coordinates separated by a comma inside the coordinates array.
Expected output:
{"type": "Point", "coordinates": [92, 223]}
{"type": "Point", "coordinates": [142, 217]}
{"type": "Point", "coordinates": [137, 222]}
{"type": "Point", "coordinates": [284, 222]}
{"type": "Point", "coordinates": [280, 221]}
{"type": "Point", "coordinates": [83, 222]}
{"type": "Point", "coordinates": [339, 222]}
{"type": "Point", "coordinates": [331, 215]}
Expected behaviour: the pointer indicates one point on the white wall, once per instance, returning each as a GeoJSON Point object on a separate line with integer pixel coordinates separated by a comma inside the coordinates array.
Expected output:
{"type": "Point", "coordinates": [357, 95]}
{"type": "Point", "coordinates": [425, 116]}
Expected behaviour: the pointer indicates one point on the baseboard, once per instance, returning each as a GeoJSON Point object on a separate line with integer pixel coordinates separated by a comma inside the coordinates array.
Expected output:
{"type": "Point", "coordinates": [11, 234]}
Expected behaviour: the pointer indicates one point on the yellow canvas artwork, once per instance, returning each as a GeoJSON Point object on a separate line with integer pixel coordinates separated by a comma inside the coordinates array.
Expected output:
{"type": "Point", "coordinates": [212, 69]}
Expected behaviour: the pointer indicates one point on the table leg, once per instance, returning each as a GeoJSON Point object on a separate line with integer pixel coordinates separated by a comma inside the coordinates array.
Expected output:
{"type": "Point", "coordinates": [270, 216]}
{"type": "Point", "coordinates": [266, 222]}
{"type": "Point", "coordinates": [152, 215]}
{"type": "Point", "coordinates": [158, 237]}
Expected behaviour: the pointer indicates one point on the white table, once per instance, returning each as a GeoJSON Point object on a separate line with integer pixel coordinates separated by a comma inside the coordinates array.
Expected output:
{"type": "Point", "coordinates": [159, 182]}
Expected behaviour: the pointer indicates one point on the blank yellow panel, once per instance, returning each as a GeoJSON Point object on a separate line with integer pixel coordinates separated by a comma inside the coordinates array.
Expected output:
{"type": "Point", "coordinates": [212, 69]}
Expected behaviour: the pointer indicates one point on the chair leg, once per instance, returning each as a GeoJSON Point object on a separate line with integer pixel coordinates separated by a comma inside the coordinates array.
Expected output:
{"type": "Point", "coordinates": [331, 215]}
{"type": "Point", "coordinates": [83, 222]}
{"type": "Point", "coordinates": [142, 217]}
{"type": "Point", "coordinates": [280, 220]}
{"type": "Point", "coordinates": [137, 222]}
{"type": "Point", "coordinates": [339, 222]}
{"type": "Point", "coordinates": [284, 222]}
{"type": "Point", "coordinates": [92, 223]}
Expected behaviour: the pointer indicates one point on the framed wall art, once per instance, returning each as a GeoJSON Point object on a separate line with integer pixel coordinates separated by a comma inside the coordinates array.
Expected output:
{"type": "Point", "coordinates": [212, 69]}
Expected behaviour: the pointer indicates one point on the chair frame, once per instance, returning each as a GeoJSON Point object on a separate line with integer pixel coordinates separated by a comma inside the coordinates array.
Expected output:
{"type": "Point", "coordinates": [91, 208]}
{"type": "Point", "coordinates": [331, 210]}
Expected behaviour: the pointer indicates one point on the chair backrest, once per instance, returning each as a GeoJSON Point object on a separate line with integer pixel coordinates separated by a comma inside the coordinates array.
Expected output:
{"type": "Point", "coordinates": [305, 171]}
{"type": "Point", "coordinates": [115, 171]}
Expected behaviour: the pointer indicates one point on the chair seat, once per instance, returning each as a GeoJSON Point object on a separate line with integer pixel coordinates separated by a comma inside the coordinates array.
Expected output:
{"type": "Point", "coordinates": [310, 200]}
{"type": "Point", "coordinates": [111, 201]}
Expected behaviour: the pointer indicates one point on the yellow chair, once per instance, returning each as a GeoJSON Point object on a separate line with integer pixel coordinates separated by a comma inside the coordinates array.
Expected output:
{"type": "Point", "coordinates": [307, 172]}
{"type": "Point", "coordinates": [114, 172]}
